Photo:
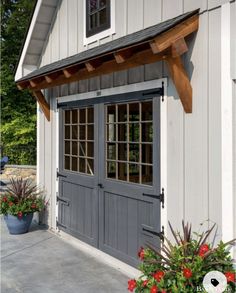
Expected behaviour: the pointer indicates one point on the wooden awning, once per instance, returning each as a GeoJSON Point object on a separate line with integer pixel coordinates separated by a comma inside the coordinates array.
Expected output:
{"type": "Point", "coordinates": [165, 41]}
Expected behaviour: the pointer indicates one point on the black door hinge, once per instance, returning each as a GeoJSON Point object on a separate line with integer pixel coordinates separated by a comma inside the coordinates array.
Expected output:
{"type": "Point", "coordinates": [158, 234]}
{"type": "Point", "coordinates": [60, 175]}
{"type": "Point", "coordinates": [61, 225]}
{"type": "Point", "coordinates": [161, 196]}
{"type": "Point", "coordinates": [162, 92]}
{"type": "Point", "coordinates": [63, 200]}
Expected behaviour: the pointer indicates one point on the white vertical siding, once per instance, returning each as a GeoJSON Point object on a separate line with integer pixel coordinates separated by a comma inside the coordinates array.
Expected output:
{"type": "Point", "coordinates": [135, 15]}
{"type": "Point", "coordinates": [214, 96]}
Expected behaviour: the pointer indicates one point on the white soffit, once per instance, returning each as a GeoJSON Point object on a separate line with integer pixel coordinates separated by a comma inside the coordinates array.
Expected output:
{"type": "Point", "coordinates": [37, 35]}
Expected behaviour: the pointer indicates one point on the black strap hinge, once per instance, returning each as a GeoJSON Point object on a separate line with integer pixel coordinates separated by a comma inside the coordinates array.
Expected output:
{"type": "Point", "coordinates": [161, 196]}
{"type": "Point", "coordinates": [63, 200]}
{"type": "Point", "coordinates": [60, 175]}
{"type": "Point", "coordinates": [158, 234]}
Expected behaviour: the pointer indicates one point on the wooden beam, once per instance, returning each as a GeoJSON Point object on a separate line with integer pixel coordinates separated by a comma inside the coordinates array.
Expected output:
{"type": "Point", "coordinates": [68, 72]}
{"type": "Point", "coordinates": [42, 103]}
{"type": "Point", "coordinates": [179, 47]}
{"type": "Point", "coordinates": [122, 56]}
{"type": "Point", "coordinates": [165, 40]}
{"type": "Point", "coordinates": [23, 85]}
{"type": "Point", "coordinates": [181, 82]}
{"type": "Point", "coordinates": [92, 65]}
{"type": "Point", "coordinates": [140, 58]}
{"type": "Point", "coordinates": [51, 77]}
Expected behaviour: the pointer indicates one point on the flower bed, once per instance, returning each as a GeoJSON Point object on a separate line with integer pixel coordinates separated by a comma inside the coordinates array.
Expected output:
{"type": "Point", "coordinates": [181, 267]}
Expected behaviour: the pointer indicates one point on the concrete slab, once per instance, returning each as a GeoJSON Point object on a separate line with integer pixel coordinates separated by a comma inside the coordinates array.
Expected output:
{"type": "Point", "coordinates": [39, 261]}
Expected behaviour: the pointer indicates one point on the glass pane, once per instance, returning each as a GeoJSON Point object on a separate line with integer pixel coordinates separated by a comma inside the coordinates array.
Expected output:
{"type": "Point", "coordinates": [74, 116]}
{"type": "Point", "coordinates": [93, 21]}
{"type": "Point", "coordinates": [67, 163]}
{"type": "Point", "coordinates": [134, 152]}
{"type": "Point", "coordinates": [82, 150]}
{"type": "Point", "coordinates": [74, 164]}
{"type": "Point", "coordinates": [67, 132]}
{"type": "Point", "coordinates": [122, 171]}
{"type": "Point", "coordinates": [147, 153]}
{"type": "Point", "coordinates": [90, 149]}
{"type": "Point", "coordinates": [82, 115]}
{"type": "Point", "coordinates": [147, 175]}
{"type": "Point", "coordinates": [122, 113]}
{"type": "Point", "coordinates": [122, 151]}
{"type": "Point", "coordinates": [82, 165]}
{"type": "Point", "coordinates": [111, 151]}
{"type": "Point", "coordinates": [90, 115]}
{"type": "Point", "coordinates": [82, 132]}
{"type": "Point", "coordinates": [90, 132]}
{"type": "Point", "coordinates": [102, 16]}
{"type": "Point", "coordinates": [134, 132]}
{"type": "Point", "coordinates": [67, 147]}
{"type": "Point", "coordinates": [134, 173]}
{"type": "Point", "coordinates": [74, 131]}
{"type": "Point", "coordinates": [146, 111]}
{"type": "Point", "coordinates": [74, 148]}
{"type": "Point", "coordinates": [93, 5]}
{"type": "Point", "coordinates": [147, 132]}
{"type": "Point", "coordinates": [134, 112]}
{"type": "Point", "coordinates": [122, 132]}
{"type": "Point", "coordinates": [111, 170]}
{"type": "Point", "coordinates": [111, 132]}
{"type": "Point", "coordinates": [111, 114]}
{"type": "Point", "coordinates": [90, 167]}
{"type": "Point", "coordinates": [67, 117]}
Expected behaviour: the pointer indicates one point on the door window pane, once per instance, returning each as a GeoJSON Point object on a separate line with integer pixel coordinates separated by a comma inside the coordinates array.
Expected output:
{"type": "Point", "coordinates": [131, 135]}
{"type": "Point", "coordinates": [79, 140]}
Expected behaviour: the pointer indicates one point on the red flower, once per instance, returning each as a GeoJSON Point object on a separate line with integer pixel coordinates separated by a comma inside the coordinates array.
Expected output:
{"type": "Point", "coordinates": [230, 277]}
{"type": "Point", "coordinates": [154, 289]}
{"type": "Point", "coordinates": [20, 215]}
{"type": "Point", "coordinates": [33, 206]}
{"type": "Point", "coordinates": [11, 203]}
{"type": "Point", "coordinates": [141, 253]}
{"type": "Point", "coordinates": [145, 282]}
{"type": "Point", "coordinates": [158, 275]}
{"type": "Point", "coordinates": [131, 285]}
{"type": "Point", "coordinates": [203, 249]}
{"type": "Point", "coordinates": [187, 273]}
{"type": "Point", "coordinates": [4, 199]}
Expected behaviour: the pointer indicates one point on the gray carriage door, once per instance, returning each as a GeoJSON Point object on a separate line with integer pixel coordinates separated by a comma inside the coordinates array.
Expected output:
{"type": "Point", "coordinates": [78, 196]}
{"type": "Point", "coordinates": [129, 175]}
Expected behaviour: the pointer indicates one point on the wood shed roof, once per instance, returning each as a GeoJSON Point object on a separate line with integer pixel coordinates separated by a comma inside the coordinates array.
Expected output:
{"type": "Point", "coordinates": [164, 41]}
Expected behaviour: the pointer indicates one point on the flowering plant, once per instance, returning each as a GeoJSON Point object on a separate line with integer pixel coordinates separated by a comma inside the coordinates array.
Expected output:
{"type": "Point", "coordinates": [21, 197]}
{"type": "Point", "coordinates": [181, 267]}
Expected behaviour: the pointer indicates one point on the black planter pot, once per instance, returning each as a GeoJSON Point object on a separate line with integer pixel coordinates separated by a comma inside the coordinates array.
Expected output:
{"type": "Point", "coordinates": [18, 225]}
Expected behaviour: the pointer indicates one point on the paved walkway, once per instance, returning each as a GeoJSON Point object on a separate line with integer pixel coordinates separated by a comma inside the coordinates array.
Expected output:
{"type": "Point", "coordinates": [39, 262]}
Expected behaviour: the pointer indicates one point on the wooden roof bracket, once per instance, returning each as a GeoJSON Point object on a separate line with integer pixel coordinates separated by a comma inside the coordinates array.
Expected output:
{"type": "Point", "coordinates": [181, 81]}
{"type": "Point", "coordinates": [42, 103]}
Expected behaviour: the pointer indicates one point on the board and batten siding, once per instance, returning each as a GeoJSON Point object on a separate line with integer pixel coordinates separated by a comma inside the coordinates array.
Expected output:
{"type": "Point", "coordinates": [193, 140]}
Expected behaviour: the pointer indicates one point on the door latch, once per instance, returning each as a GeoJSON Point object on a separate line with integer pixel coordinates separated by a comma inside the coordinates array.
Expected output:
{"type": "Point", "coordinates": [100, 185]}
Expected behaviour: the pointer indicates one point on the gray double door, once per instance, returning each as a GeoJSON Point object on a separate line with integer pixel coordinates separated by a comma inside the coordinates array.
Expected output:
{"type": "Point", "coordinates": [109, 173]}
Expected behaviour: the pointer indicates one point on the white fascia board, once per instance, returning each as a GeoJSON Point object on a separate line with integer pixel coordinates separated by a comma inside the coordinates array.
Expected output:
{"type": "Point", "coordinates": [19, 71]}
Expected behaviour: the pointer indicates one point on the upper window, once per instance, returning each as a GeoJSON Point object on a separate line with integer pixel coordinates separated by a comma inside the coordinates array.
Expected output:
{"type": "Point", "coordinates": [98, 16]}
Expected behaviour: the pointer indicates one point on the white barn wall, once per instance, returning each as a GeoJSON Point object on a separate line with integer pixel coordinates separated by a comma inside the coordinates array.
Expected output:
{"type": "Point", "coordinates": [194, 154]}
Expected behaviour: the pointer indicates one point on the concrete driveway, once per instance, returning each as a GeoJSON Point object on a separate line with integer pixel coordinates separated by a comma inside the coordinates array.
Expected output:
{"type": "Point", "coordinates": [39, 262]}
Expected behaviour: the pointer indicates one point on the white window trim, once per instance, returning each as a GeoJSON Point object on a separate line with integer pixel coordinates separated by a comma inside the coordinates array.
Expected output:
{"type": "Point", "coordinates": [104, 33]}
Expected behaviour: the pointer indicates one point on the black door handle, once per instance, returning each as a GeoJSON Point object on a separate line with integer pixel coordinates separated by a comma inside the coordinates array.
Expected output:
{"type": "Point", "coordinates": [100, 185]}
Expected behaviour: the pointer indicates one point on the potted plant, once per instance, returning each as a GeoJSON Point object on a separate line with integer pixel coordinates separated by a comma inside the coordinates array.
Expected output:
{"type": "Point", "coordinates": [18, 204]}
{"type": "Point", "coordinates": [180, 267]}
